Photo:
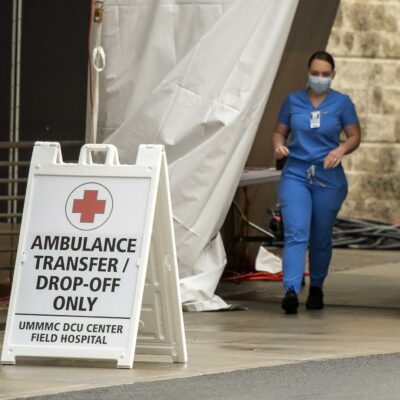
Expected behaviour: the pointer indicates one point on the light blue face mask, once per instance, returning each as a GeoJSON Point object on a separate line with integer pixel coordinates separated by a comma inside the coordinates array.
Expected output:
{"type": "Point", "coordinates": [319, 84]}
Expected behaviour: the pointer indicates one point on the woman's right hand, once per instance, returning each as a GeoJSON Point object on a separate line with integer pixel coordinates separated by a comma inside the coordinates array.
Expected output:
{"type": "Point", "coordinates": [281, 152]}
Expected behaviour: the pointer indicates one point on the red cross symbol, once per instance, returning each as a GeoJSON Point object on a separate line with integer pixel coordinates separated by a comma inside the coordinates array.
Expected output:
{"type": "Point", "coordinates": [89, 206]}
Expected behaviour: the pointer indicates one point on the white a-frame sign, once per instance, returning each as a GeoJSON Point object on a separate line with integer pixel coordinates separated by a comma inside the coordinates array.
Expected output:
{"type": "Point", "coordinates": [96, 271]}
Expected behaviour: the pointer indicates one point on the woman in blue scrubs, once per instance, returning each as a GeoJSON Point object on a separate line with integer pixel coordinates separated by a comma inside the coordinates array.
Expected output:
{"type": "Point", "coordinates": [313, 184]}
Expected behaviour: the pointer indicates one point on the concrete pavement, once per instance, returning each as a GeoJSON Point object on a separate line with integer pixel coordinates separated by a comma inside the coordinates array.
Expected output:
{"type": "Point", "coordinates": [362, 318]}
{"type": "Point", "coordinates": [366, 378]}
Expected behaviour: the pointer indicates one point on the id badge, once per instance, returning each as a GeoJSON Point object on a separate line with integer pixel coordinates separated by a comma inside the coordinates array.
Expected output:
{"type": "Point", "coordinates": [315, 120]}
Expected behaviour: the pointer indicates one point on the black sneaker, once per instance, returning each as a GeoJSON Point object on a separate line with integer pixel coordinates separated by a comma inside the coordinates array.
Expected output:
{"type": "Point", "coordinates": [290, 302]}
{"type": "Point", "coordinates": [315, 299]}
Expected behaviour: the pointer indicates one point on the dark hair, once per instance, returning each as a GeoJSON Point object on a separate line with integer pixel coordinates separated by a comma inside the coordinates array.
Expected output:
{"type": "Point", "coordinates": [322, 55]}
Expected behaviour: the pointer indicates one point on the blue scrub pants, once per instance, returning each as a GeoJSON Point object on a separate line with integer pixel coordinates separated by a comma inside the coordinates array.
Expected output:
{"type": "Point", "coordinates": [310, 198]}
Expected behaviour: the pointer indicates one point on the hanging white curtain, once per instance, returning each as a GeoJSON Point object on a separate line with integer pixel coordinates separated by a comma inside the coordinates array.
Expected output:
{"type": "Point", "coordinates": [193, 75]}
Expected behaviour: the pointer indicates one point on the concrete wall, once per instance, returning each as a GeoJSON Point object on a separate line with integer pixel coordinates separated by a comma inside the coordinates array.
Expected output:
{"type": "Point", "coordinates": [365, 41]}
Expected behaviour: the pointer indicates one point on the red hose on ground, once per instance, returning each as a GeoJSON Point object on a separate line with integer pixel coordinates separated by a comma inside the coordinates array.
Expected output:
{"type": "Point", "coordinates": [258, 276]}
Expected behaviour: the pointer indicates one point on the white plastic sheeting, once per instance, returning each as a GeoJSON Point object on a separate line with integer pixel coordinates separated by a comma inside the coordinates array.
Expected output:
{"type": "Point", "coordinates": [268, 262]}
{"type": "Point", "coordinates": [195, 76]}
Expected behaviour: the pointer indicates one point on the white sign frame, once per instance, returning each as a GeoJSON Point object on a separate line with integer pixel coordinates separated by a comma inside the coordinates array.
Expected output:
{"type": "Point", "coordinates": [160, 329]}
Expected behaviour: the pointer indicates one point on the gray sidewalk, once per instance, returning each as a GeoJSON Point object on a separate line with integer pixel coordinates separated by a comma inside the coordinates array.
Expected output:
{"type": "Point", "coordinates": [362, 318]}
{"type": "Point", "coordinates": [366, 378]}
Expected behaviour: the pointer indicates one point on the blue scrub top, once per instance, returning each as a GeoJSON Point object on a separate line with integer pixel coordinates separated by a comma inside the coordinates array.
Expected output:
{"type": "Point", "coordinates": [313, 145]}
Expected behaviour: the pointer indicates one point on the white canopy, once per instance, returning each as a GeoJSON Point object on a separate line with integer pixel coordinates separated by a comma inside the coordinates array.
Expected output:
{"type": "Point", "coordinates": [193, 75]}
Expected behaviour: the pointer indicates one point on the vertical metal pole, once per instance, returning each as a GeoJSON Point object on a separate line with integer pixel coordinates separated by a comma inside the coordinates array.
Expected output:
{"type": "Point", "coordinates": [97, 65]}
{"type": "Point", "coordinates": [17, 103]}
{"type": "Point", "coordinates": [14, 136]}
{"type": "Point", "coordinates": [12, 100]}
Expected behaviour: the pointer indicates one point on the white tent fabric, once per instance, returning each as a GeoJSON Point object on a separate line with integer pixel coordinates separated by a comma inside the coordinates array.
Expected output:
{"type": "Point", "coordinates": [193, 75]}
{"type": "Point", "coordinates": [268, 262]}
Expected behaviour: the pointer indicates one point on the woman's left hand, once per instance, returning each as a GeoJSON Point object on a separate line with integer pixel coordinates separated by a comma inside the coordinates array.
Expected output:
{"type": "Point", "coordinates": [334, 158]}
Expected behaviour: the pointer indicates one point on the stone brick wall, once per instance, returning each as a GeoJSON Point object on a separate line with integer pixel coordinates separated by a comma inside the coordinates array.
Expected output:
{"type": "Point", "coordinates": [365, 41]}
